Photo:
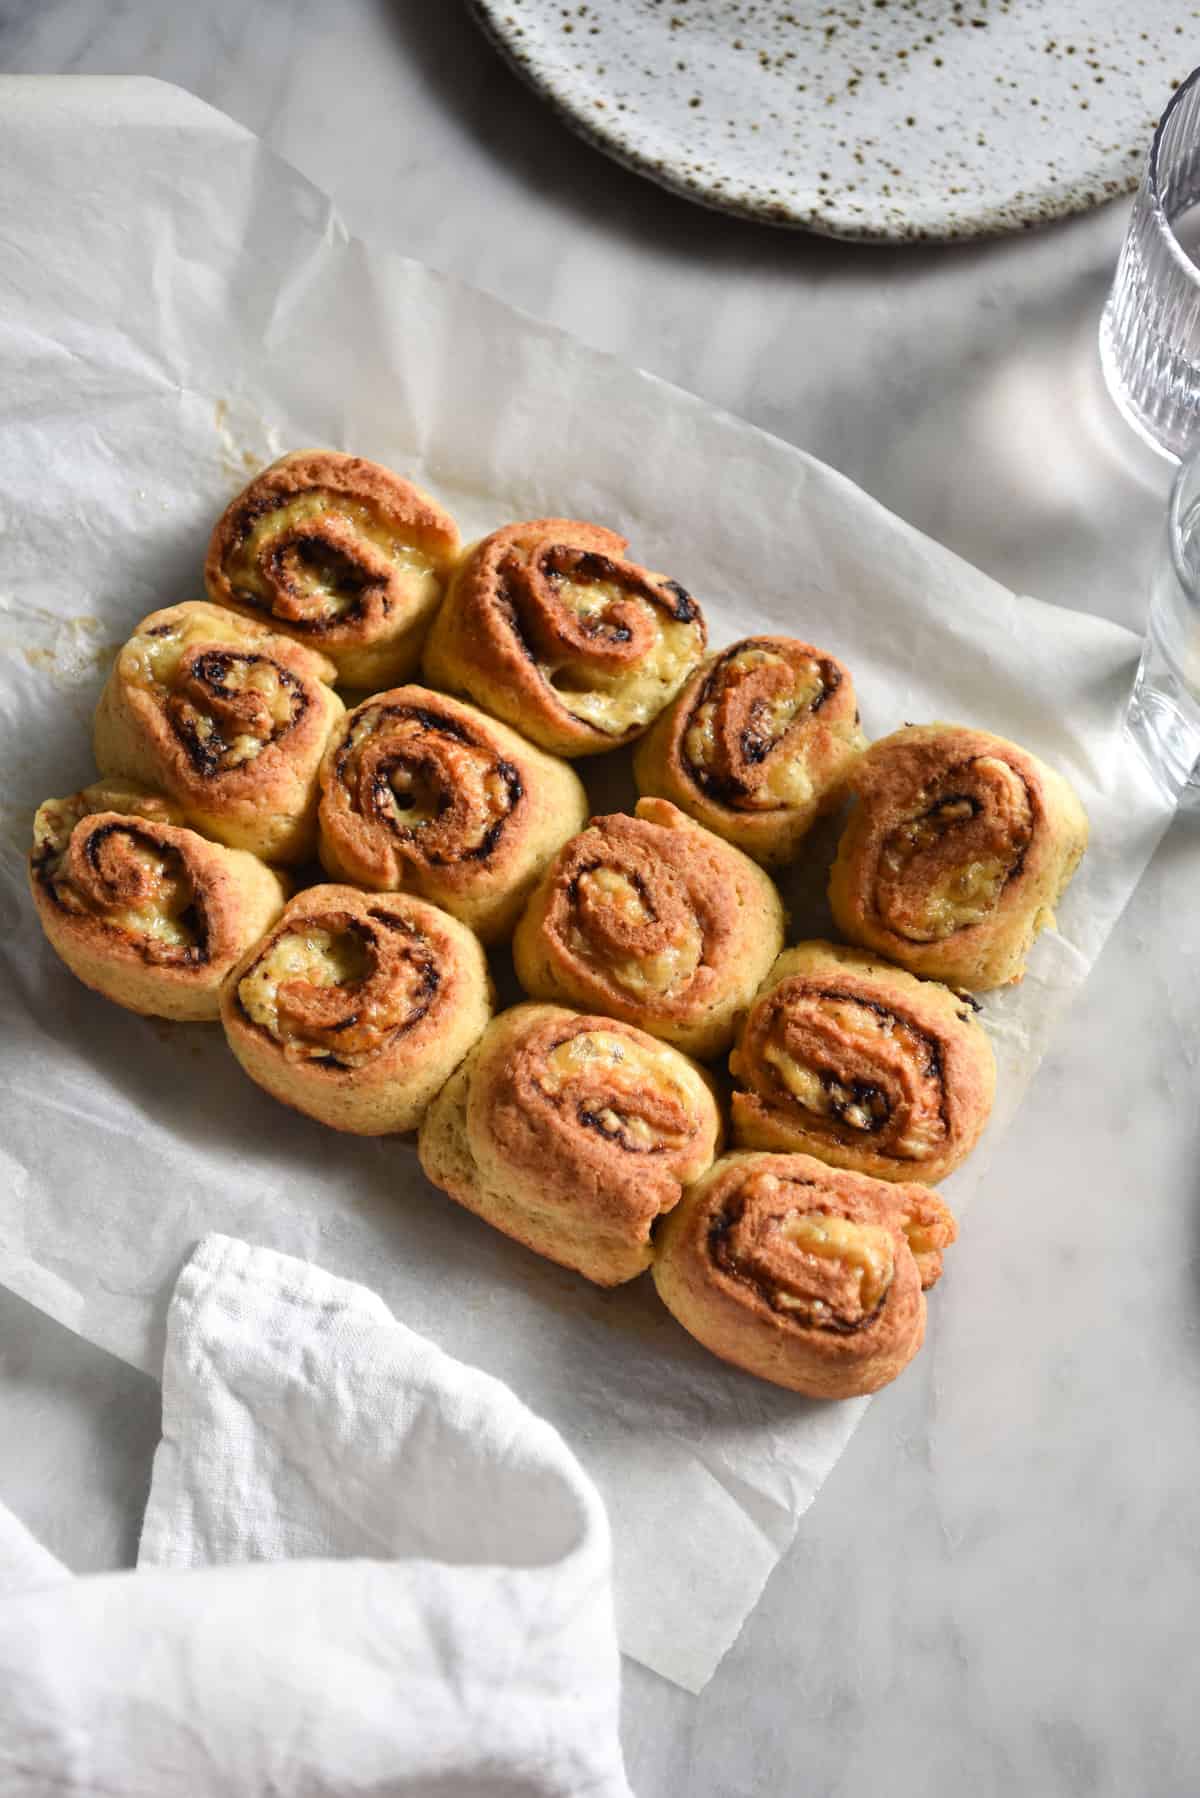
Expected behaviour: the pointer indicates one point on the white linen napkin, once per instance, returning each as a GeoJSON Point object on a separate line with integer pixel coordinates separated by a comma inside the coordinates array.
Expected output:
{"type": "Point", "coordinates": [436, 1614]}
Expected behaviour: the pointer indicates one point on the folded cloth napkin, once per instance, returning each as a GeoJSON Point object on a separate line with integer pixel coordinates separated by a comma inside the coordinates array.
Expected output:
{"type": "Point", "coordinates": [430, 1610]}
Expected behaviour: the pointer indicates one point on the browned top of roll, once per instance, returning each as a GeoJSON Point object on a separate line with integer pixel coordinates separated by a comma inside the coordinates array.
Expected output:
{"type": "Point", "coordinates": [226, 704]}
{"type": "Point", "coordinates": [862, 1056]}
{"type": "Point", "coordinates": [344, 976]}
{"type": "Point", "coordinates": [594, 1111]}
{"type": "Point", "coordinates": [416, 779]}
{"type": "Point", "coordinates": [739, 724]}
{"type": "Point", "coordinates": [834, 1262]}
{"type": "Point", "coordinates": [325, 544]}
{"type": "Point", "coordinates": [554, 609]}
{"type": "Point", "coordinates": [146, 888]}
{"type": "Point", "coordinates": [649, 911]}
{"type": "Point", "coordinates": [949, 818]}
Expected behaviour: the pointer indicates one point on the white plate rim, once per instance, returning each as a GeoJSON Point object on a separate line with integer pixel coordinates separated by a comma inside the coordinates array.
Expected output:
{"type": "Point", "coordinates": [1037, 204]}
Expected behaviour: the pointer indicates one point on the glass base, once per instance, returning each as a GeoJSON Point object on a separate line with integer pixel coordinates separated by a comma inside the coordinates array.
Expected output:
{"type": "Point", "coordinates": [1164, 722]}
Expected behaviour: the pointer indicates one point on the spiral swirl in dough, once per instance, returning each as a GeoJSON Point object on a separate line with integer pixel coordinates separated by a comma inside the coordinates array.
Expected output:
{"type": "Point", "coordinates": [342, 555]}
{"type": "Point", "coordinates": [805, 1275]}
{"type": "Point", "coordinates": [653, 920]}
{"type": "Point", "coordinates": [758, 744]}
{"type": "Point", "coordinates": [572, 1134]}
{"type": "Point", "coordinates": [424, 793]}
{"type": "Point", "coordinates": [861, 1065]}
{"type": "Point", "coordinates": [142, 910]}
{"type": "Point", "coordinates": [357, 1007]}
{"type": "Point", "coordinates": [227, 718]}
{"type": "Point", "coordinates": [547, 626]}
{"type": "Point", "coordinates": [958, 848]}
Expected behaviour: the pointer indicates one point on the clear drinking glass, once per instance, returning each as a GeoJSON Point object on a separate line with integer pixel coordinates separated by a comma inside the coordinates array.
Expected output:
{"type": "Point", "coordinates": [1164, 711]}
{"type": "Point", "coordinates": [1150, 331]}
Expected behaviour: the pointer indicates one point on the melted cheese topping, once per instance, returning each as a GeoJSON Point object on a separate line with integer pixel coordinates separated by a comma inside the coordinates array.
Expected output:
{"type": "Point", "coordinates": [169, 894]}
{"type": "Point", "coordinates": [619, 702]}
{"type": "Point", "coordinates": [785, 779]}
{"type": "Point", "coordinates": [824, 1096]}
{"type": "Point", "coordinates": [57, 818]}
{"type": "Point", "coordinates": [617, 892]}
{"type": "Point", "coordinates": [254, 677]}
{"type": "Point", "coordinates": [672, 964]}
{"type": "Point", "coordinates": [924, 1237]}
{"type": "Point", "coordinates": [419, 801]}
{"type": "Point", "coordinates": [312, 954]}
{"type": "Point", "coordinates": [588, 598]}
{"type": "Point", "coordinates": [865, 1249]}
{"type": "Point", "coordinates": [962, 897]}
{"type": "Point", "coordinates": [827, 1097]}
{"type": "Point", "coordinates": [317, 577]}
{"type": "Point", "coordinates": [623, 1069]}
{"type": "Point", "coordinates": [169, 890]}
{"type": "Point", "coordinates": [153, 661]}
{"type": "Point", "coordinates": [603, 1049]}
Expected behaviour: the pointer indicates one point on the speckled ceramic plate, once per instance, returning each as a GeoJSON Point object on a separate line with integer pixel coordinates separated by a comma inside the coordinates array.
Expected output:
{"type": "Point", "coordinates": [863, 118]}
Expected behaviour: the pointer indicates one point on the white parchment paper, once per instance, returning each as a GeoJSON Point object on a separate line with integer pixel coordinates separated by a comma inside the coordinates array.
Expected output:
{"type": "Point", "coordinates": [176, 307]}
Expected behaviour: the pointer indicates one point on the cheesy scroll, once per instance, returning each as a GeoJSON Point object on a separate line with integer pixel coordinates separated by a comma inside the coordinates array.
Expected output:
{"type": "Point", "coordinates": [654, 920]}
{"type": "Point", "coordinates": [958, 848]}
{"type": "Point", "coordinates": [141, 909]}
{"type": "Point", "coordinates": [356, 1007]}
{"type": "Point", "coordinates": [228, 719]}
{"type": "Point", "coordinates": [805, 1275]}
{"type": "Point", "coordinates": [573, 1134]}
{"type": "Point", "coordinates": [339, 553]}
{"type": "Point", "coordinates": [423, 793]}
{"type": "Point", "coordinates": [548, 626]}
{"type": "Point", "coordinates": [862, 1065]}
{"type": "Point", "coordinates": [758, 744]}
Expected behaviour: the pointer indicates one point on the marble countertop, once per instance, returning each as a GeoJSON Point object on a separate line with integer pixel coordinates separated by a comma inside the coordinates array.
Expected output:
{"type": "Point", "coordinates": [994, 1592]}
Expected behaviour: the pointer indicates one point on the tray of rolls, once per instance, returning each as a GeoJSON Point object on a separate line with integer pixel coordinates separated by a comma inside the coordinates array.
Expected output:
{"type": "Point", "coordinates": [328, 789]}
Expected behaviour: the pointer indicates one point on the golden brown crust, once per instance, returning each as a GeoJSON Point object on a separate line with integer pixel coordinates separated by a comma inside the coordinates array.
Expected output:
{"type": "Point", "coordinates": [805, 1275]}
{"type": "Point", "coordinates": [862, 1065]}
{"type": "Point", "coordinates": [356, 1007]}
{"type": "Point", "coordinates": [653, 920]}
{"type": "Point", "coordinates": [547, 626]}
{"type": "Point", "coordinates": [572, 1134]}
{"type": "Point", "coordinates": [958, 848]}
{"type": "Point", "coordinates": [758, 744]}
{"type": "Point", "coordinates": [148, 913]}
{"type": "Point", "coordinates": [339, 553]}
{"type": "Point", "coordinates": [229, 719]}
{"type": "Point", "coordinates": [424, 793]}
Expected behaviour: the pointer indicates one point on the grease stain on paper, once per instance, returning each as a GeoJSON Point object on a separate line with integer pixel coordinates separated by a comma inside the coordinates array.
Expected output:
{"type": "Point", "coordinates": [236, 460]}
{"type": "Point", "coordinates": [76, 653]}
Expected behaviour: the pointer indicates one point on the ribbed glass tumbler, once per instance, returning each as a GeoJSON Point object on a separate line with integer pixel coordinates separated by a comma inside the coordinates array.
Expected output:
{"type": "Point", "coordinates": [1150, 332]}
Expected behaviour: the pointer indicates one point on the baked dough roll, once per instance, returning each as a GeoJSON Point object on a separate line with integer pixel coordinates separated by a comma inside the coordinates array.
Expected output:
{"type": "Point", "coordinates": [653, 920]}
{"type": "Point", "coordinates": [549, 627]}
{"type": "Point", "coordinates": [957, 850]}
{"type": "Point", "coordinates": [572, 1134]}
{"type": "Point", "coordinates": [357, 1006]}
{"type": "Point", "coordinates": [424, 793]}
{"type": "Point", "coordinates": [758, 744]}
{"type": "Point", "coordinates": [229, 719]}
{"type": "Point", "coordinates": [806, 1275]}
{"type": "Point", "coordinates": [140, 909]}
{"type": "Point", "coordinates": [339, 553]}
{"type": "Point", "coordinates": [861, 1065]}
